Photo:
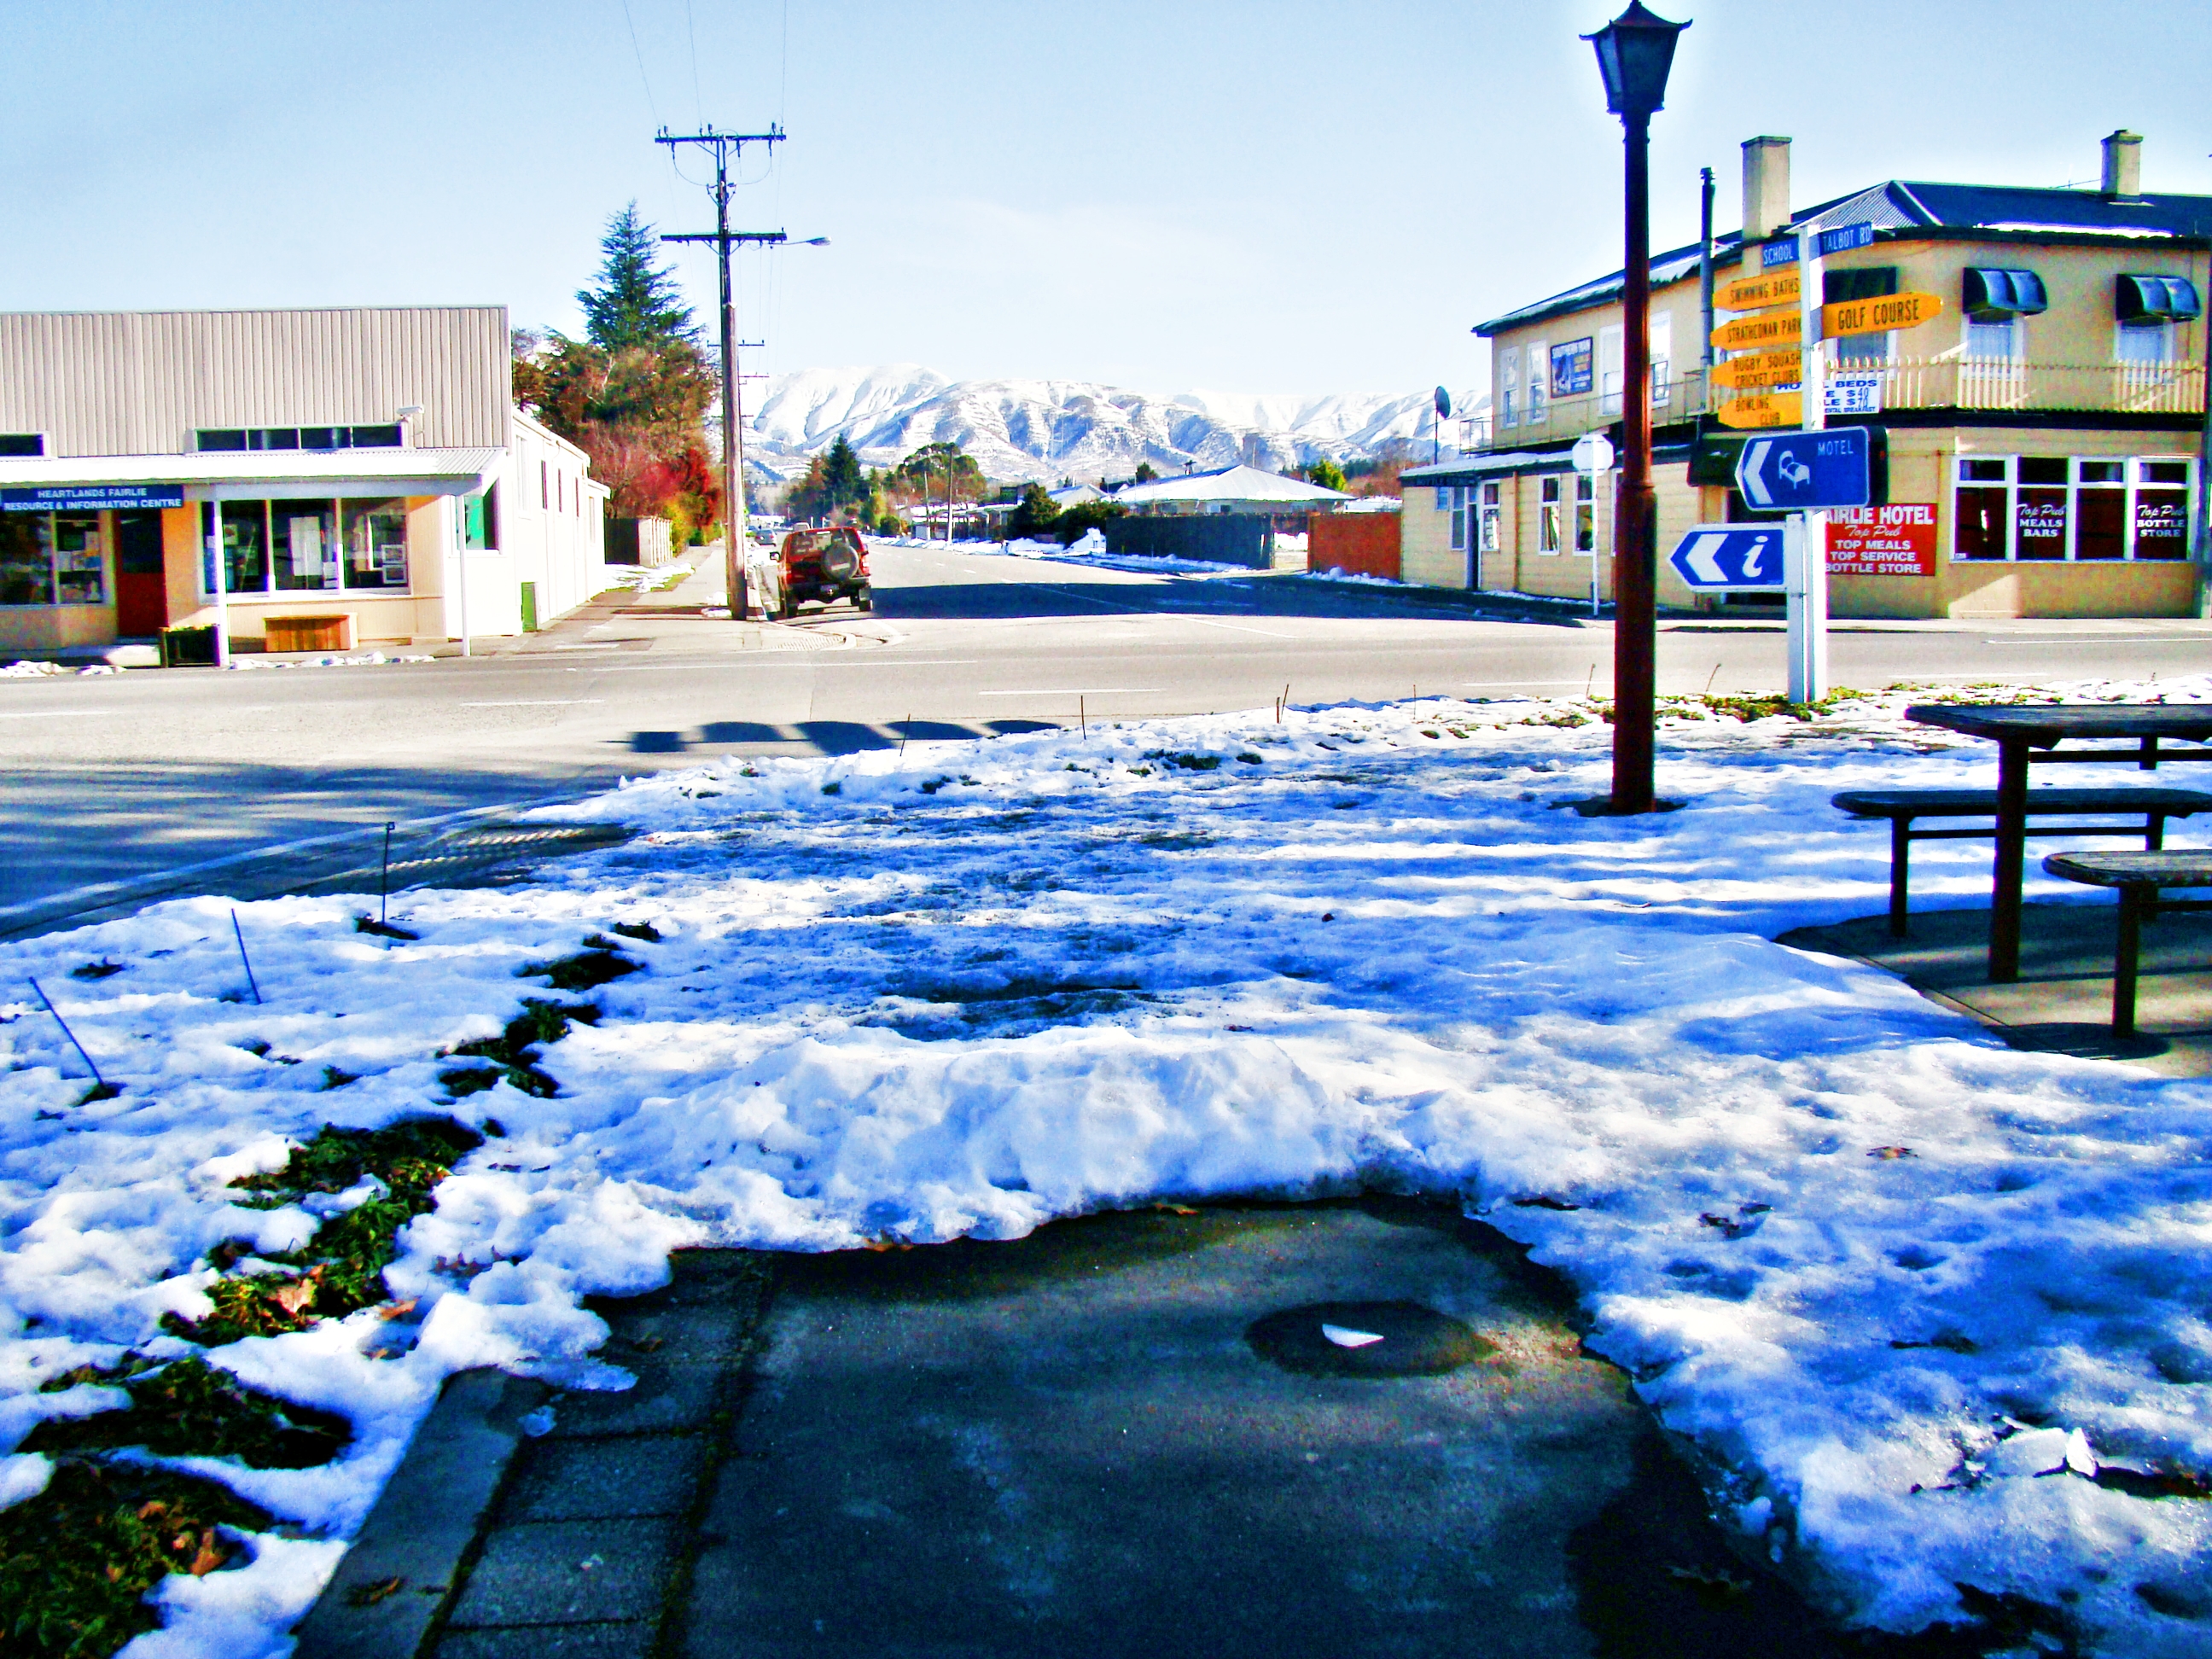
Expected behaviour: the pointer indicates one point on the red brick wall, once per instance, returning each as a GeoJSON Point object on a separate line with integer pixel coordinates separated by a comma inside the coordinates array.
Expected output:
{"type": "Point", "coordinates": [1361, 544]}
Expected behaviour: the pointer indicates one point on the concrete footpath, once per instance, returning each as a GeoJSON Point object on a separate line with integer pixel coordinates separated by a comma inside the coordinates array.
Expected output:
{"type": "Point", "coordinates": [1347, 1428]}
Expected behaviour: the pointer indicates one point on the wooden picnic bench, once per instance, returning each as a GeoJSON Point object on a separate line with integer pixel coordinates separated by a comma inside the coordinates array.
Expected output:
{"type": "Point", "coordinates": [2140, 877]}
{"type": "Point", "coordinates": [1903, 806]}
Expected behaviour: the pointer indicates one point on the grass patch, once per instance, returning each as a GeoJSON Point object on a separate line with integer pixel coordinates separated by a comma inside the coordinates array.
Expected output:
{"type": "Point", "coordinates": [91, 971]}
{"type": "Point", "coordinates": [585, 970]}
{"type": "Point", "coordinates": [1188, 763]}
{"type": "Point", "coordinates": [644, 931]}
{"type": "Point", "coordinates": [341, 1269]}
{"type": "Point", "coordinates": [76, 1561]}
{"type": "Point", "coordinates": [513, 1053]}
{"type": "Point", "coordinates": [190, 1409]}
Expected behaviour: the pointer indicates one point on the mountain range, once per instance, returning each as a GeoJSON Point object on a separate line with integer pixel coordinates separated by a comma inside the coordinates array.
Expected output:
{"type": "Point", "coordinates": [1056, 429]}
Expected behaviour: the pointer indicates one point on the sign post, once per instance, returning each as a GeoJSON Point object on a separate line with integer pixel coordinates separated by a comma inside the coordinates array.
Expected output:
{"type": "Point", "coordinates": [1593, 458]}
{"type": "Point", "coordinates": [1805, 592]}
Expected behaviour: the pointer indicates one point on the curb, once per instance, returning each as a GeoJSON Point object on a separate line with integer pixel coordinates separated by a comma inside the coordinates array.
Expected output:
{"type": "Point", "coordinates": [414, 1544]}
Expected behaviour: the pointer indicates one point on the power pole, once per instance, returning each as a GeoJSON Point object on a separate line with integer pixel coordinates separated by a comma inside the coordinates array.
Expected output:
{"type": "Point", "coordinates": [724, 145]}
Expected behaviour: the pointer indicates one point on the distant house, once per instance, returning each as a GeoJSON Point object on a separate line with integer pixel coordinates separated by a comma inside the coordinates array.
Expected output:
{"type": "Point", "coordinates": [1227, 489]}
{"type": "Point", "coordinates": [2044, 431]}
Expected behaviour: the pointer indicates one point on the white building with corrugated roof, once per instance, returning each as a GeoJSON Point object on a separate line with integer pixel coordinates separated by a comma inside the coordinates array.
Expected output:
{"type": "Point", "coordinates": [292, 480]}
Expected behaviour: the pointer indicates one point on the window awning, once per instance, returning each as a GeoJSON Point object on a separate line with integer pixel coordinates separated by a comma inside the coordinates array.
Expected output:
{"type": "Point", "coordinates": [2157, 299]}
{"type": "Point", "coordinates": [225, 475]}
{"type": "Point", "coordinates": [1992, 294]}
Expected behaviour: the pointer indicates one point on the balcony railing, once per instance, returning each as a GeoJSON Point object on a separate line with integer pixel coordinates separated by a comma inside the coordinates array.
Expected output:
{"type": "Point", "coordinates": [1952, 381]}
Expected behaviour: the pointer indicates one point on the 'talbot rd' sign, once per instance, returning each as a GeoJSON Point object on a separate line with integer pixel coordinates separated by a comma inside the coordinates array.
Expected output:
{"type": "Point", "coordinates": [89, 498]}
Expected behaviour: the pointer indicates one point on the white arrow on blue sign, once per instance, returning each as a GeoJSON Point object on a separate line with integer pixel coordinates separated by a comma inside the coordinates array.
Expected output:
{"type": "Point", "coordinates": [1804, 472]}
{"type": "Point", "coordinates": [1730, 555]}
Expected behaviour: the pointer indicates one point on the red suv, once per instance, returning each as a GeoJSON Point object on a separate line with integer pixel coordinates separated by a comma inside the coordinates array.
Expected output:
{"type": "Point", "coordinates": [825, 565]}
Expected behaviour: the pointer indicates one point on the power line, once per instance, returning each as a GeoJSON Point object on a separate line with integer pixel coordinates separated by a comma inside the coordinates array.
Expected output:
{"type": "Point", "coordinates": [698, 98]}
{"type": "Point", "coordinates": [638, 52]}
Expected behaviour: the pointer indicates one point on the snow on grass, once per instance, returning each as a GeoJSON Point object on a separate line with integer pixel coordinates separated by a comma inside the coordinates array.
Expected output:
{"type": "Point", "coordinates": [1908, 1290]}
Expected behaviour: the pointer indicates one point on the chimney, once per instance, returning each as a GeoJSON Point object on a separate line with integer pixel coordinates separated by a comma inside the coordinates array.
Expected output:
{"type": "Point", "coordinates": [2122, 164]}
{"type": "Point", "coordinates": [1766, 187]}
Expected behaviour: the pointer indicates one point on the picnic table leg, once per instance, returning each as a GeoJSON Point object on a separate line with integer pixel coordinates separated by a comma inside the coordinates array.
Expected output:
{"type": "Point", "coordinates": [2124, 959]}
{"type": "Point", "coordinates": [2012, 845]}
{"type": "Point", "coordinates": [2155, 832]}
{"type": "Point", "coordinates": [1900, 848]}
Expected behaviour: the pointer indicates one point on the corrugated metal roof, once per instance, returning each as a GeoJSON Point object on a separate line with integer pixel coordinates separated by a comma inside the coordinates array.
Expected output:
{"type": "Point", "coordinates": [1227, 483]}
{"type": "Point", "coordinates": [1904, 206]}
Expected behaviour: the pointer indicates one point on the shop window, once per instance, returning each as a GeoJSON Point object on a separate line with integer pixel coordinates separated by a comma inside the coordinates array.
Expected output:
{"type": "Point", "coordinates": [480, 521]}
{"type": "Point", "coordinates": [2160, 524]}
{"type": "Point", "coordinates": [2087, 508]}
{"type": "Point", "coordinates": [80, 564]}
{"type": "Point", "coordinates": [27, 559]}
{"type": "Point", "coordinates": [15, 445]}
{"type": "Point", "coordinates": [245, 543]}
{"type": "Point", "coordinates": [1458, 519]}
{"type": "Point", "coordinates": [2100, 515]}
{"type": "Point", "coordinates": [375, 544]}
{"type": "Point", "coordinates": [1547, 523]}
{"type": "Point", "coordinates": [2040, 508]}
{"type": "Point", "coordinates": [304, 545]}
{"type": "Point", "coordinates": [1585, 514]}
{"type": "Point", "coordinates": [1490, 511]}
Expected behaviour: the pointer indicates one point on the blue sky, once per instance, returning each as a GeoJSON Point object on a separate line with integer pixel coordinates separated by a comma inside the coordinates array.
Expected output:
{"type": "Point", "coordinates": [1284, 198]}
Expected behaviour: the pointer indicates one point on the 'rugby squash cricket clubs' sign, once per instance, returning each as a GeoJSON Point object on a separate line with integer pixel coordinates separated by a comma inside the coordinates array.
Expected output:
{"type": "Point", "coordinates": [1760, 369]}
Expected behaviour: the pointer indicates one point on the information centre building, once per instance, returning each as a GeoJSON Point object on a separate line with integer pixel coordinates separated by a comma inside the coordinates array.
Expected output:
{"type": "Point", "coordinates": [304, 480]}
{"type": "Point", "coordinates": [2044, 429]}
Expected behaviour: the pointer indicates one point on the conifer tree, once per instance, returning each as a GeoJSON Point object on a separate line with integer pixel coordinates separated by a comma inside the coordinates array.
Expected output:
{"type": "Point", "coordinates": [847, 486]}
{"type": "Point", "coordinates": [635, 301]}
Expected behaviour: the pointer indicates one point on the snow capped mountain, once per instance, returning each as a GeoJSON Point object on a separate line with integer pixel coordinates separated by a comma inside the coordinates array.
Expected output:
{"type": "Point", "coordinates": [1051, 429]}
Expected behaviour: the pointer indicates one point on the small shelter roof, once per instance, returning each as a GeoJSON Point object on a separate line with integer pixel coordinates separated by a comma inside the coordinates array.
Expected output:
{"type": "Point", "coordinates": [1229, 485]}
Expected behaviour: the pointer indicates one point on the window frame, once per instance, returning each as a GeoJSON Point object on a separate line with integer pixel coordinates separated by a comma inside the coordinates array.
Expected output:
{"type": "Point", "coordinates": [2130, 488]}
{"type": "Point", "coordinates": [345, 511]}
{"type": "Point", "coordinates": [1548, 518]}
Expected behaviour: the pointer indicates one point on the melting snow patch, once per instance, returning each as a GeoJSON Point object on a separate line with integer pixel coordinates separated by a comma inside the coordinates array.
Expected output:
{"type": "Point", "coordinates": [967, 989]}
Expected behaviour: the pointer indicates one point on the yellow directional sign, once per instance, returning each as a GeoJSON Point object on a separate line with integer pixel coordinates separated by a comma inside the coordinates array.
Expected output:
{"type": "Point", "coordinates": [1753, 293]}
{"type": "Point", "coordinates": [1774, 409]}
{"type": "Point", "coordinates": [1762, 330]}
{"type": "Point", "coordinates": [1760, 369]}
{"type": "Point", "coordinates": [1878, 316]}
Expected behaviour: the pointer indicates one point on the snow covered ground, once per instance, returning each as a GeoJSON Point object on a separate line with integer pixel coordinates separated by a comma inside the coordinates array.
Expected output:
{"type": "Point", "coordinates": [1911, 1290]}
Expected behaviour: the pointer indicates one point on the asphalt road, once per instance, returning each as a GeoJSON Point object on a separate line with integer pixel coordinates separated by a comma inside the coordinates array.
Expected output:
{"type": "Point", "coordinates": [117, 777]}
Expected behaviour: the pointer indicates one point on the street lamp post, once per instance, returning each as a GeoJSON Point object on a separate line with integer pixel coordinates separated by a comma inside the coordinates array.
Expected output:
{"type": "Point", "coordinates": [1634, 53]}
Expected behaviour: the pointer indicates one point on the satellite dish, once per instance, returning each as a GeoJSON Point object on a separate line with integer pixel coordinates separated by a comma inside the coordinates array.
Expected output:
{"type": "Point", "coordinates": [1444, 403]}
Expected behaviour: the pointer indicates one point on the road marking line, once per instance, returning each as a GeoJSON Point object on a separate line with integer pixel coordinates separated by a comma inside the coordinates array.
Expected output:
{"type": "Point", "coordinates": [534, 702]}
{"type": "Point", "coordinates": [1239, 627]}
{"type": "Point", "coordinates": [1073, 691]}
{"type": "Point", "coordinates": [51, 714]}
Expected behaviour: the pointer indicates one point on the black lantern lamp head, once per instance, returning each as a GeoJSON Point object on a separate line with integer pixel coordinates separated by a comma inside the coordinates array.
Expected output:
{"type": "Point", "coordinates": [1634, 53]}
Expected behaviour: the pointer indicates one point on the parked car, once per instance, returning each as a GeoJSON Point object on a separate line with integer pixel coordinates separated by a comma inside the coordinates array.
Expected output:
{"type": "Point", "coordinates": [820, 566]}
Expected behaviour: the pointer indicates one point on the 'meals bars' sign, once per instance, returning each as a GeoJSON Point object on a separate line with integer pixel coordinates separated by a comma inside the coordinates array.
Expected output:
{"type": "Point", "coordinates": [90, 498]}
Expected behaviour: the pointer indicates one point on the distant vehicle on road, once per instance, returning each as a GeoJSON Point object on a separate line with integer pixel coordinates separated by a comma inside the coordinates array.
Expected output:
{"type": "Point", "coordinates": [816, 565]}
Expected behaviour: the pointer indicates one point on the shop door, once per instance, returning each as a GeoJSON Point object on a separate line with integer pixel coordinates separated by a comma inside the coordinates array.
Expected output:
{"type": "Point", "coordinates": [141, 596]}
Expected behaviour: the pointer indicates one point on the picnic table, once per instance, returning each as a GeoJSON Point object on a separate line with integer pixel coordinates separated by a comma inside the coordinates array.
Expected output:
{"type": "Point", "coordinates": [2125, 733]}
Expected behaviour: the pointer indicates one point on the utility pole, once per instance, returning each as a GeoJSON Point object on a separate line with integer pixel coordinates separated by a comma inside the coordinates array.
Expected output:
{"type": "Point", "coordinates": [1706, 269]}
{"type": "Point", "coordinates": [724, 145]}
